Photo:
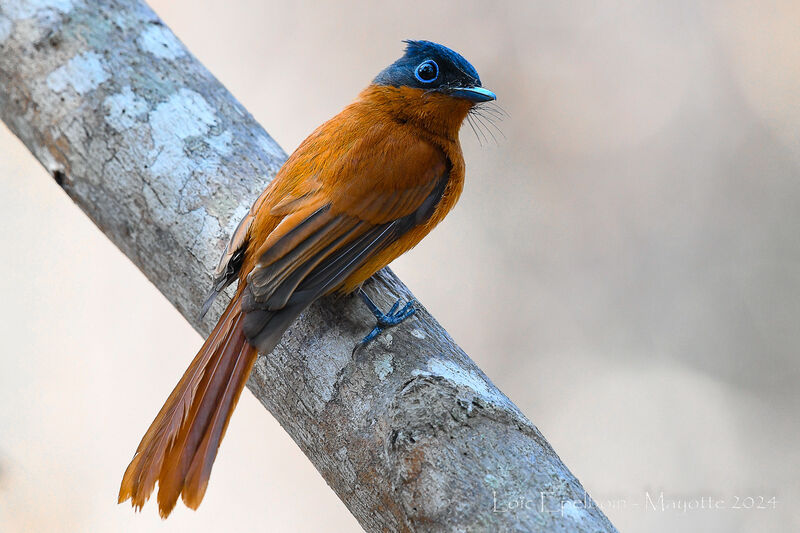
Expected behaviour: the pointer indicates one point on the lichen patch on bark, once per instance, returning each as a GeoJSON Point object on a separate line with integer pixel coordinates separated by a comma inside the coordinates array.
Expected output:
{"type": "Point", "coordinates": [83, 73]}
{"type": "Point", "coordinates": [161, 42]}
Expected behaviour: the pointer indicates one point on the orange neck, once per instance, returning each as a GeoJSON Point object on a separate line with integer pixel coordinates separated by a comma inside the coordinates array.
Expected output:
{"type": "Point", "coordinates": [435, 112]}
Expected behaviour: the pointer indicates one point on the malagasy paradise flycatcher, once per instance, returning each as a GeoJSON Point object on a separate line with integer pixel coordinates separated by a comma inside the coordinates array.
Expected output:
{"type": "Point", "coordinates": [362, 189]}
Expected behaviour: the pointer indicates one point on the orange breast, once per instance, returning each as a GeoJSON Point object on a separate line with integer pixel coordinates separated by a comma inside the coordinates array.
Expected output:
{"type": "Point", "coordinates": [455, 184]}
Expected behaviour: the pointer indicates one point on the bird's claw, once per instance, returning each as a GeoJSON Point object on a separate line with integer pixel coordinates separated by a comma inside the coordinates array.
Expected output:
{"type": "Point", "coordinates": [393, 317]}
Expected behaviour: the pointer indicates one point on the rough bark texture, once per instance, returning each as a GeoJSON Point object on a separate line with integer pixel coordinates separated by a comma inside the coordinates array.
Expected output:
{"type": "Point", "coordinates": [409, 432]}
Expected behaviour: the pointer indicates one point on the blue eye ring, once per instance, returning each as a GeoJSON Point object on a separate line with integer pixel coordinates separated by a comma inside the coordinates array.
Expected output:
{"type": "Point", "coordinates": [427, 63]}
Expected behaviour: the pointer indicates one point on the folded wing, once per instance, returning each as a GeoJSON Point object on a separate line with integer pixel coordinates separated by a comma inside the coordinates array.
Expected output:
{"type": "Point", "coordinates": [334, 232]}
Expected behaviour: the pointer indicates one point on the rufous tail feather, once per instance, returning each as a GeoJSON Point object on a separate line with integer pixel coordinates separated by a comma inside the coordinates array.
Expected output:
{"type": "Point", "coordinates": [181, 444]}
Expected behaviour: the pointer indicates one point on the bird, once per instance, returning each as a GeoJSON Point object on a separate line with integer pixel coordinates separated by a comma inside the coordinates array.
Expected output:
{"type": "Point", "coordinates": [363, 188]}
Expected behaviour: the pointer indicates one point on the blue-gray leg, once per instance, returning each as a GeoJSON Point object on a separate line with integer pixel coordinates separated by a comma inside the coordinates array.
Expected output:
{"type": "Point", "coordinates": [385, 320]}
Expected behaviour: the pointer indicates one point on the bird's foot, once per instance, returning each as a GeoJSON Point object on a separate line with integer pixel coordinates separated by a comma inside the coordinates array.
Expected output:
{"type": "Point", "coordinates": [394, 316]}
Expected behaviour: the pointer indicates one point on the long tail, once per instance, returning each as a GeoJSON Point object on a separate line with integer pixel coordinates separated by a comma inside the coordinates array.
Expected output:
{"type": "Point", "coordinates": [180, 447]}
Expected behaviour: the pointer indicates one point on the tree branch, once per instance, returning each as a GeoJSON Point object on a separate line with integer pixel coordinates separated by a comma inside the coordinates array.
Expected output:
{"type": "Point", "coordinates": [409, 432]}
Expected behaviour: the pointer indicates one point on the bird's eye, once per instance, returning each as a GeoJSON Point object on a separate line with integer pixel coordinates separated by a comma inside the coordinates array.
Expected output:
{"type": "Point", "coordinates": [427, 71]}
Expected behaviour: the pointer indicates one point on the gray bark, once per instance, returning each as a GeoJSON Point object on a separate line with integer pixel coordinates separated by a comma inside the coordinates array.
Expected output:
{"type": "Point", "coordinates": [409, 433]}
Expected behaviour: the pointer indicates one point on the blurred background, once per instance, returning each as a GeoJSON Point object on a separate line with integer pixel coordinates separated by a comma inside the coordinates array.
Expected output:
{"type": "Point", "coordinates": [624, 264]}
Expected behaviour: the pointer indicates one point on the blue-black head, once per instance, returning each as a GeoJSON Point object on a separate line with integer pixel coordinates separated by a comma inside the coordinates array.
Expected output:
{"type": "Point", "coordinates": [431, 66]}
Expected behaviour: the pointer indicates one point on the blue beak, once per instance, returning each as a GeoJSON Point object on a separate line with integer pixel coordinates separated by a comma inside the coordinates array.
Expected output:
{"type": "Point", "coordinates": [474, 94]}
